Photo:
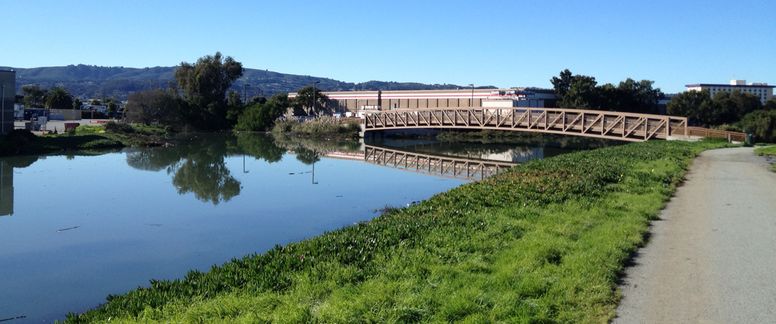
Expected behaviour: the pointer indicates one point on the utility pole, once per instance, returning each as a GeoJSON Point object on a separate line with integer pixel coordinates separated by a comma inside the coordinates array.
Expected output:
{"type": "Point", "coordinates": [2, 119]}
{"type": "Point", "coordinates": [471, 103]}
{"type": "Point", "coordinates": [245, 93]}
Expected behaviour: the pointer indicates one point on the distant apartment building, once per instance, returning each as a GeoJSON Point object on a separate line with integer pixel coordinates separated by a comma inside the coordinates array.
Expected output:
{"type": "Point", "coordinates": [7, 98]}
{"type": "Point", "coordinates": [457, 98]}
{"type": "Point", "coordinates": [760, 90]}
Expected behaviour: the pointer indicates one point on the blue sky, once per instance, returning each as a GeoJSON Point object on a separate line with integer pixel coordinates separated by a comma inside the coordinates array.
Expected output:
{"type": "Point", "coordinates": [502, 43]}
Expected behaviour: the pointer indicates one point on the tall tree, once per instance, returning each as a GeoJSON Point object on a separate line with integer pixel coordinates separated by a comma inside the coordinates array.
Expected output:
{"type": "Point", "coordinates": [304, 100]}
{"type": "Point", "coordinates": [113, 107]}
{"type": "Point", "coordinates": [59, 98]}
{"type": "Point", "coordinates": [581, 94]}
{"type": "Point", "coordinates": [730, 107]}
{"type": "Point", "coordinates": [34, 96]}
{"type": "Point", "coordinates": [770, 104]}
{"type": "Point", "coordinates": [155, 106]}
{"type": "Point", "coordinates": [204, 87]}
{"type": "Point", "coordinates": [562, 83]}
{"type": "Point", "coordinates": [77, 103]}
{"type": "Point", "coordinates": [695, 105]}
{"type": "Point", "coordinates": [636, 96]}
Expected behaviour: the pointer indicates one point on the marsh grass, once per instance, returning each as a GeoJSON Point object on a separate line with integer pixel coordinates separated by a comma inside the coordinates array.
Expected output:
{"type": "Point", "coordinates": [544, 242]}
{"type": "Point", "coordinates": [318, 127]}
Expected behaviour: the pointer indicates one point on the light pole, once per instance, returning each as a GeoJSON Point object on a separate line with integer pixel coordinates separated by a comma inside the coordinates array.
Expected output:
{"type": "Point", "coordinates": [2, 111]}
{"type": "Point", "coordinates": [245, 93]}
{"type": "Point", "coordinates": [314, 182]}
{"type": "Point", "coordinates": [313, 105]}
{"type": "Point", "coordinates": [471, 103]}
{"type": "Point", "coordinates": [244, 171]}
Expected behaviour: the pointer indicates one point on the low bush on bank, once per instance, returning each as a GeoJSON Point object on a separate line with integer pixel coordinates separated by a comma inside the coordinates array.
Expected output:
{"type": "Point", "coordinates": [543, 242]}
{"type": "Point", "coordinates": [762, 124]}
{"type": "Point", "coordinates": [322, 126]}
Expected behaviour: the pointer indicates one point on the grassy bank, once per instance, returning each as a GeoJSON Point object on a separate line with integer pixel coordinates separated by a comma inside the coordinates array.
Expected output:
{"type": "Point", "coordinates": [85, 138]}
{"type": "Point", "coordinates": [544, 242]}
{"type": "Point", "coordinates": [769, 151]}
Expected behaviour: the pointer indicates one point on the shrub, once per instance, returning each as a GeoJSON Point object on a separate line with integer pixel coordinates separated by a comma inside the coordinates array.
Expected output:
{"type": "Point", "coordinates": [113, 127]}
{"type": "Point", "coordinates": [761, 123]}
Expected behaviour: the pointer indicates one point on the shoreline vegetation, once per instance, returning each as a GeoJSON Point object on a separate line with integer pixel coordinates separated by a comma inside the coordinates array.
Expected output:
{"type": "Point", "coordinates": [320, 127]}
{"type": "Point", "coordinates": [546, 241]}
{"type": "Point", "coordinates": [86, 138]}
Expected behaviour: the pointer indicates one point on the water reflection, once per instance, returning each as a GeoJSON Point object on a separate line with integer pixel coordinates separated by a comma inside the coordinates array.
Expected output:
{"type": "Point", "coordinates": [7, 166]}
{"type": "Point", "coordinates": [433, 164]}
{"type": "Point", "coordinates": [197, 166]}
{"type": "Point", "coordinates": [90, 226]}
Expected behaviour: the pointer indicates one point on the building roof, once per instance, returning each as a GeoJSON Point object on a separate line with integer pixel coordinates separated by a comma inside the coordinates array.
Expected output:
{"type": "Point", "coordinates": [729, 85]}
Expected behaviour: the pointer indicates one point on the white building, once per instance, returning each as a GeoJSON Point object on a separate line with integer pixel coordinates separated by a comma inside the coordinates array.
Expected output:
{"type": "Point", "coordinates": [760, 90]}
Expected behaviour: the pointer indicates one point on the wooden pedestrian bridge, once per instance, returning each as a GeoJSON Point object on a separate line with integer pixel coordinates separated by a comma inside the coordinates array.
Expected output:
{"type": "Point", "coordinates": [575, 122]}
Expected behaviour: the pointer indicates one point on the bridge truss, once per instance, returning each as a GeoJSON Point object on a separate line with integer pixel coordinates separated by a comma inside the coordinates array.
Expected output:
{"type": "Point", "coordinates": [575, 122]}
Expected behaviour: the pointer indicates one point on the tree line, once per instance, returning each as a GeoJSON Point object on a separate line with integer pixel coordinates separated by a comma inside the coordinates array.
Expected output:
{"type": "Point", "coordinates": [734, 110]}
{"type": "Point", "coordinates": [582, 91]}
{"type": "Point", "coordinates": [201, 99]}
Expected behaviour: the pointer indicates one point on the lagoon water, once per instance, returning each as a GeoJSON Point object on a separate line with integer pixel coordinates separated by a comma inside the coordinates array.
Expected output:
{"type": "Point", "coordinates": [74, 229]}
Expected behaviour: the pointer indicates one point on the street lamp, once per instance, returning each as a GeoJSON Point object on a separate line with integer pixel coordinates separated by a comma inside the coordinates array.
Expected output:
{"type": "Point", "coordinates": [245, 93]}
{"type": "Point", "coordinates": [471, 103]}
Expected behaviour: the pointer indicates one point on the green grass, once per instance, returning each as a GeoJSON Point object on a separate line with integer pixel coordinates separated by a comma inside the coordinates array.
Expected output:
{"type": "Point", "coordinates": [544, 242]}
{"type": "Point", "coordinates": [767, 151]}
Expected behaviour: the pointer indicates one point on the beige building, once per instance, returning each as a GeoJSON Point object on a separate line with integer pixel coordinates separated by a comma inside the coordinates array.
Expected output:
{"type": "Point", "coordinates": [355, 101]}
{"type": "Point", "coordinates": [760, 90]}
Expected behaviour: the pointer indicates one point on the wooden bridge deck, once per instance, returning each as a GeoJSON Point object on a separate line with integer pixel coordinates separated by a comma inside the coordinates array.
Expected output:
{"type": "Point", "coordinates": [575, 122]}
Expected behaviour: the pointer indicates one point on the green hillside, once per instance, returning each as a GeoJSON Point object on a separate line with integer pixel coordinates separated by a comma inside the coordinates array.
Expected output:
{"type": "Point", "coordinates": [89, 81]}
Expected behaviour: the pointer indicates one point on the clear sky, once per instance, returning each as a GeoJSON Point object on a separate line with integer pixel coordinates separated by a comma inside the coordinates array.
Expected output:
{"type": "Point", "coordinates": [501, 43]}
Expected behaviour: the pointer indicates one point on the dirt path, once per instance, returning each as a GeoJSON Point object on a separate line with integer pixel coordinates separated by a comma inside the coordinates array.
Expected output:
{"type": "Point", "coordinates": [712, 255]}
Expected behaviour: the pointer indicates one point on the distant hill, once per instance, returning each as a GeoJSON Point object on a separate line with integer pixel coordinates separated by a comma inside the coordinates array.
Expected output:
{"type": "Point", "coordinates": [89, 81]}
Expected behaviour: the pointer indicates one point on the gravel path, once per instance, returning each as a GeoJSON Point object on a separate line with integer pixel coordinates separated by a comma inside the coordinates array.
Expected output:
{"type": "Point", "coordinates": [711, 257]}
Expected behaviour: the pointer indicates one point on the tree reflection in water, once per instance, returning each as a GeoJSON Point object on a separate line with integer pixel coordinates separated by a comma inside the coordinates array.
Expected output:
{"type": "Point", "coordinates": [198, 164]}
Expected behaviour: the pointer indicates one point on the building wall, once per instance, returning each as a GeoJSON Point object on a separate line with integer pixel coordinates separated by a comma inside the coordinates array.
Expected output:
{"type": "Point", "coordinates": [8, 92]}
{"type": "Point", "coordinates": [765, 93]}
{"type": "Point", "coordinates": [419, 99]}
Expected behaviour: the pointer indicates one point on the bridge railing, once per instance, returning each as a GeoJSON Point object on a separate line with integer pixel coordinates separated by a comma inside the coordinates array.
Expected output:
{"type": "Point", "coordinates": [589, 123]}
{"type": "Point", "coordinates": [715, 133]}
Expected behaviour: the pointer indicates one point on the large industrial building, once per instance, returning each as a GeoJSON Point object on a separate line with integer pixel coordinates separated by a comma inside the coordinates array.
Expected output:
{"type": "Point", "coordinates": [7, 96]}
{"type": "Point", "coordinates": [355, 101]}
{"type": "Point", "coordinates": [760, 90]}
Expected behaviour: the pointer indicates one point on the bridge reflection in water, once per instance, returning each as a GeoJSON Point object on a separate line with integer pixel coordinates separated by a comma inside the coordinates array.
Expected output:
{"type": "Point", "coordinates": [438, 165]}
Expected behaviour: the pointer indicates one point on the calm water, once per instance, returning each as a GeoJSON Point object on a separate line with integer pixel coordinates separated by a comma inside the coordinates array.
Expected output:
{"type": "Point", "coordinates": [74, 229]}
